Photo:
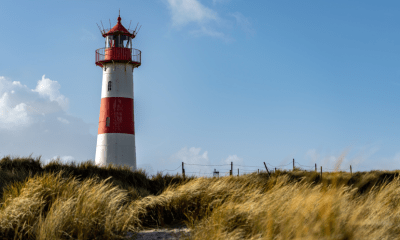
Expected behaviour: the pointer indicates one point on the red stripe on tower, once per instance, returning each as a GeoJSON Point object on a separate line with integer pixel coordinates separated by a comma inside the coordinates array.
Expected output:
{"type": "Point", "coordinates": [116, 116]}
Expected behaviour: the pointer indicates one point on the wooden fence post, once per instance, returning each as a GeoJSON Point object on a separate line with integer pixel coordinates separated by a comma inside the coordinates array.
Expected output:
{"type": "Point", "coordinates": [316, 167]}
{"type": "Point", "coordinates": [351, 171]}
{"type": "Point", "coordinates": [321, 172]}
{"type": "Point", "coordinates": [275, 169]}
{"type": "Point", "coordinates": [267, 169]}
{"type": "Point", "coordinates": [293, 164]}
{"type": "Point", "coordinates": [183, 170]}
{"type": "Point", "coordinates": [238, 172]}
{"type": "Point", "coordinates": [258, 171]}
{"type": "Point", "coordinates": [231, 169]}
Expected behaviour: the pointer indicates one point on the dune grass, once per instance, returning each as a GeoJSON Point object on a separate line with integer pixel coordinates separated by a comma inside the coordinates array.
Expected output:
{"type": "Point", "coordinates": [64, 201]}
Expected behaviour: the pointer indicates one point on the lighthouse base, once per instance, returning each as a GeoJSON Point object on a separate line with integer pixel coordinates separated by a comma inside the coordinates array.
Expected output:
{"type": "Point", "coordinates": [116, 148]}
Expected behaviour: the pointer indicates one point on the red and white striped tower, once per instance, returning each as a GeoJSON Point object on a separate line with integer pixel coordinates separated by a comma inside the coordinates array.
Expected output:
{"type": "Point", "coordinates": [116, 134]}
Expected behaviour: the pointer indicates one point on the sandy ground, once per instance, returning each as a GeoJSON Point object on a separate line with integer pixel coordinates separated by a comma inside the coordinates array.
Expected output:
{"type": "Point", "coordinates": [162, 233]}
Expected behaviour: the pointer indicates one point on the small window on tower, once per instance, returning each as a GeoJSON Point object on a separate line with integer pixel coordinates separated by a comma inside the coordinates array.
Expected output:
{"type": "Point", "coordinates": [109, 85]}
{"type": "Point", "coordinates": [107, 121]}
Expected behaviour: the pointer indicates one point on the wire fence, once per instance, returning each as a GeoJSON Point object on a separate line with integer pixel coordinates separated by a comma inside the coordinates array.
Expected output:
{"type": "Point", "coordinates": [166, 170]}
{"type": "Point", "coordinates": [204, 170]}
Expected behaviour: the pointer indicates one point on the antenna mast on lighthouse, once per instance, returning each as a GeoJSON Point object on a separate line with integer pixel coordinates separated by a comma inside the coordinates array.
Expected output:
{"type": "Point", "coordinates": [116, 133]}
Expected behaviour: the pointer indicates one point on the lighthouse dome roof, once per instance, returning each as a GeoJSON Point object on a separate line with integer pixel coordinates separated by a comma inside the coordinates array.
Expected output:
{"type": "Point", "coordinates": [119, 29]}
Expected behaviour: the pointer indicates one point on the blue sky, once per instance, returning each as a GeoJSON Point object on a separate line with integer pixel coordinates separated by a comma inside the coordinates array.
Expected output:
{"type": "Point", "coordinates": [220, 81]}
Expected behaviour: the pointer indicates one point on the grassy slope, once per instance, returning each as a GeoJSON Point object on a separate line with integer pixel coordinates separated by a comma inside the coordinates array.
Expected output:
{"type": "Point", "coordinates": [59, 201]}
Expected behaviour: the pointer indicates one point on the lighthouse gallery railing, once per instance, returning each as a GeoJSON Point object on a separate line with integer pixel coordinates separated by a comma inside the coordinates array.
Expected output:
{"type": "Point", "coordinates": [116, 53]}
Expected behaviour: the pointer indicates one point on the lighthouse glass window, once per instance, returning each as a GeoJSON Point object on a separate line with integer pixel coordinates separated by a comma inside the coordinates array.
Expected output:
{"type": "Point", "coordinates": [109, 41]}
{"type": "Point", "coordinates": [107, 121]}
{"type": "Point", "coordinates": [125, 41]}
{"type": "Point", "coordinates": [118, 41]}
{"type": "Point", "coordinates": [128, 42]}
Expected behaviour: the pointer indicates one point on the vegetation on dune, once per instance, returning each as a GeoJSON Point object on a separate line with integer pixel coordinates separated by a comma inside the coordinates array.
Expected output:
{"type": "Point", "coordinates": [64, 201]}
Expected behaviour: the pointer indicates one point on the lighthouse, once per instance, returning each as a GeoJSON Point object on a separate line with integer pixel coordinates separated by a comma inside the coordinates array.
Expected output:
{"type": "Point", "coordinates": [116, 133]}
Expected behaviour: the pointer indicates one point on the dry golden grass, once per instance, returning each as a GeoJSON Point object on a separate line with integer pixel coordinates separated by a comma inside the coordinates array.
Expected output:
{"type": "Point", "coordinates": [60, 201]}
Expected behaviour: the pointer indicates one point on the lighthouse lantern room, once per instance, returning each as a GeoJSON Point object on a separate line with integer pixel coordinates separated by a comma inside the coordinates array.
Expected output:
{"type": "Point", "coordinates": [116, 132]}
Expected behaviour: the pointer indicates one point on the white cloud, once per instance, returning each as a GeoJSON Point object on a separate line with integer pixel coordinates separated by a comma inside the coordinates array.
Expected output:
{"type": "Point", "coordinates": [186, 11]}
{"type": "Point", "coordinates": [19, 104]}
{"type": "Point", "coordinates": [237, 163]}
{"type": "Point", "coordinates": [235, 159]}
{"type": "Point", "coordinates": [50, 89]}
{"type": "Point", "coordinates": [191, 156]}
{"type": "Point", "coordinates": [12, 115]}
{"type": "Point", "coordinates": [194, 160]}
{"type": "Point", "coordinates": [200, 20]}
{"type": "Point", "coordinates": [63, 120]}
{"type": "Point", "coordinates": [35, 121]}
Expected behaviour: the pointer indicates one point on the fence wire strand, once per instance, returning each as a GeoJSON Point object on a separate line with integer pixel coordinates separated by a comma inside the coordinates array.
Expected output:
{"type": "Point", "coordinates": [248, 166]}
{"type": "Point", "coordinates": [207, 165]}
{"type": "Point", "coordinates": [166, 170]}
{"type": "Point", "coordinates": [279, 165]}
{"type": "Point", "coordinates": [304, 165]}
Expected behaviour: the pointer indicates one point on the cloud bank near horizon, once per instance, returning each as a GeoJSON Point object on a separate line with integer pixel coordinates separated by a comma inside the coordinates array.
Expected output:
{"type": "Point", "coordinates": [35, 121]}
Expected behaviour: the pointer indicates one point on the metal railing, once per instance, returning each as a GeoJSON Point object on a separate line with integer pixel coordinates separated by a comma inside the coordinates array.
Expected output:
{"type": "Point", "coordinates": [119, 54]}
